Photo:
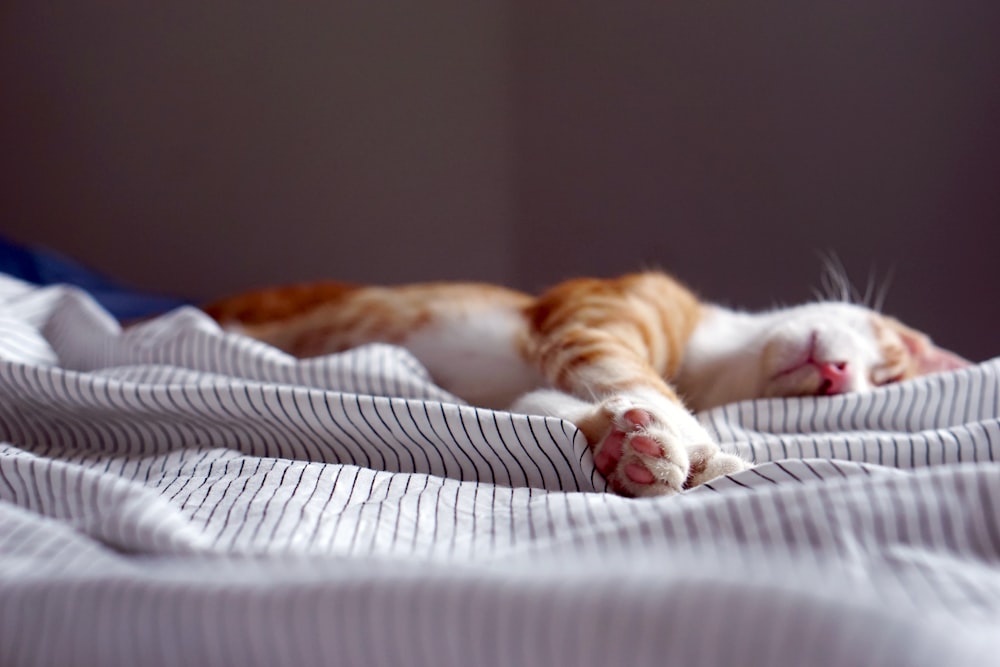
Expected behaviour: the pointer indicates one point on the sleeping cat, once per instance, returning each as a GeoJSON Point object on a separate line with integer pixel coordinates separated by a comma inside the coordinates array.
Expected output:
{"type": "Point", "coordinates": [624, 359]}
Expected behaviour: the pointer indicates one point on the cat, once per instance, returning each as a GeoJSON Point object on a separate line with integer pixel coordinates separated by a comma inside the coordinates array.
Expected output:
{"type": "Point", "coordinates": [625, 359]}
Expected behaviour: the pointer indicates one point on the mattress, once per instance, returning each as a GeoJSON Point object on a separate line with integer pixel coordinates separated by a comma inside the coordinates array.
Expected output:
{"type": "Point", "coordinates": [173, 494]}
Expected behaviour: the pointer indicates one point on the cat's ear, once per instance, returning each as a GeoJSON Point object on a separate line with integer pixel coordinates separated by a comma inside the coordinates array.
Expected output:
{"type": "Point", "coordinates": [927, 357]}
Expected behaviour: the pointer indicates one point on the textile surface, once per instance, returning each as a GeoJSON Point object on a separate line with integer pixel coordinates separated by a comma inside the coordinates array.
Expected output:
{"type": "Point", "coordinates": [172, 494]}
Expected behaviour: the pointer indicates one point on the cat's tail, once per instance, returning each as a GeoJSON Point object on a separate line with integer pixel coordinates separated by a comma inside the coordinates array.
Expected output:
{"type": "Point", "coordinates": [276, 304]}
{"type": "Point", "coordinates": [295, 318]}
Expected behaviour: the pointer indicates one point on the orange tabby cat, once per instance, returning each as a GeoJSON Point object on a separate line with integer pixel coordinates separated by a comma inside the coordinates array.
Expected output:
{"type": "Point", "coordinates": [611, 356]}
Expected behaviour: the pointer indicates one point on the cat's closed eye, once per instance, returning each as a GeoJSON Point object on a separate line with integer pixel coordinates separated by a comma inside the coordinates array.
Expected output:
{"type": "Point", "coordinates": [887, 374]}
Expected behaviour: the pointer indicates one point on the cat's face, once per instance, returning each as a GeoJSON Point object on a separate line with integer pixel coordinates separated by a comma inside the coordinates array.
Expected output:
{"type": "Point", "coordinates": [816, 349]}
{"type": "Point", "coordinates": [832, 348]}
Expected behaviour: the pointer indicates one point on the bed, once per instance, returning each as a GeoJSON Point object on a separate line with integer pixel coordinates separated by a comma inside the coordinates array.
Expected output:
{"type": "Point", "coordinates": [171, 494]}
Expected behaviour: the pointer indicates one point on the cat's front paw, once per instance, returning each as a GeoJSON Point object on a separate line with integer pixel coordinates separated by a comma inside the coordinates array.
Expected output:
{"type": "Point", "coordinates": [646, 450]}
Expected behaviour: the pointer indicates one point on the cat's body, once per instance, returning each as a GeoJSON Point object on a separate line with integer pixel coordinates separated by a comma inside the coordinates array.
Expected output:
{"type": "Point", "coordinates": [612, 356]}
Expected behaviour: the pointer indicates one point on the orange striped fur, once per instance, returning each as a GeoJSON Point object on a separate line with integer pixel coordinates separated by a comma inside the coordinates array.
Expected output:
{"type": "Point", "coordinates": [584, 336]}
{"type": "Point", "coordinates": [319, 318]}
{"type": "Point", "coordinates": [612, 334]}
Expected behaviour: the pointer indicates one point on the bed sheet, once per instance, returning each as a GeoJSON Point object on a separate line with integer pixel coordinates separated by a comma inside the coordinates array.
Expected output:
{"type": "Point", "coordinates": [173, 494]}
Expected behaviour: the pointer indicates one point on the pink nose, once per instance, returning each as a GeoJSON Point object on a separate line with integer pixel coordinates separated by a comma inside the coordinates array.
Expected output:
{"type": "Point", "coordinates": [834, 376]}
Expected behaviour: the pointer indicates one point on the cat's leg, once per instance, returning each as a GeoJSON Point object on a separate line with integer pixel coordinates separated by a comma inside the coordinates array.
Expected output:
{"type": "Point", "coordinates": [611, 344]}
{"type": "Point", "coordinates": [643, 443]}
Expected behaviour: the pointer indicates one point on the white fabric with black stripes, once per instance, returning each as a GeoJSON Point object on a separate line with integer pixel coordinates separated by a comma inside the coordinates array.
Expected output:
{"type": "Point", "coordinates": [174, 495]}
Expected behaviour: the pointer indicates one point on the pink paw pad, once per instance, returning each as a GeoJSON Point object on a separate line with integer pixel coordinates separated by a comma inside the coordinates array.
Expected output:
{"type": "Point", "coordinates": [630, 434]}
{"type": "Point", "coordinates": [611, 452]}
{"type": "Point", "coordinates": [639, 474]}
{"type": "Point", "coordinates": [638, 417]}
{"type": "Point", "coordinates": [648, 446]}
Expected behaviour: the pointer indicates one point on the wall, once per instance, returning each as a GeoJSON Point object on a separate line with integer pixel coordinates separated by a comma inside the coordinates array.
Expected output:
{"type": "Point", "coordinates": [206, 147]}
{"type": "Point", "coordinates": [735, 142]}
{"type": "Point", "coordinates": [203, 148]}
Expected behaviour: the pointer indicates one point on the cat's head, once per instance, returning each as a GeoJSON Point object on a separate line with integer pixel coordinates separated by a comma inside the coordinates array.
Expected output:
{"type": "Point", "coordinates": [815, 349]}
{"type": "Point", "coordinates": [832, 348]}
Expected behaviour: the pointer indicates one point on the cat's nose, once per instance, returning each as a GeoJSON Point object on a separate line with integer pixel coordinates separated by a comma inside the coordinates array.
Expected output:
{"type": "Point", "coordinates": [834, 377]}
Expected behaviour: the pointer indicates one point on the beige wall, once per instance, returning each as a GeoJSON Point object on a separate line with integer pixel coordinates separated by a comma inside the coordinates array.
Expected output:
{"type": "Point", "coordinates": [205, 147]}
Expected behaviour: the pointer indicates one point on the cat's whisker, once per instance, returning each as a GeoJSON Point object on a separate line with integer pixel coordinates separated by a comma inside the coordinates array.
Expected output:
{"type": "Point", "coordinates": [883, 290]}
{"type": "Point", "coordinates": [828, 282]}
{"type": "Point", "coordinates": [853, 295]}
{"type": "Point", "coordinates": [834, 278]}
{"type": "Point", "coordinates": [869, 288]}
{"type": "Point", "coordinates": [838, 284]}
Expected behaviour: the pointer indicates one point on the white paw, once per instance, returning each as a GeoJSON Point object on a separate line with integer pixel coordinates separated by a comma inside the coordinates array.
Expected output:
{"type": "Point", "coordinates": [644, 450]}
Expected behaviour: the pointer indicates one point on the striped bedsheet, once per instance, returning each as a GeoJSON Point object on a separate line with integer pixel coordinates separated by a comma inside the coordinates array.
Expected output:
{"type": "Point", "coordinates": [175, 495]}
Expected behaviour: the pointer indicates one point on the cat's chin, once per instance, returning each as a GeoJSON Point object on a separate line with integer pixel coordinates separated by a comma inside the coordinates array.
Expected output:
{"type": "Point", "coordinates": [810, 373]}
{"type": "Point", "coordinates": [724, 390]}
{"type": "Point", "coordinates": [811, 380]}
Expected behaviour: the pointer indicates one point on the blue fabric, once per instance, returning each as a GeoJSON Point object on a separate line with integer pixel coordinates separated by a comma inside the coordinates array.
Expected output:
{"type": "Point", "coordinates": [45, 267]}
